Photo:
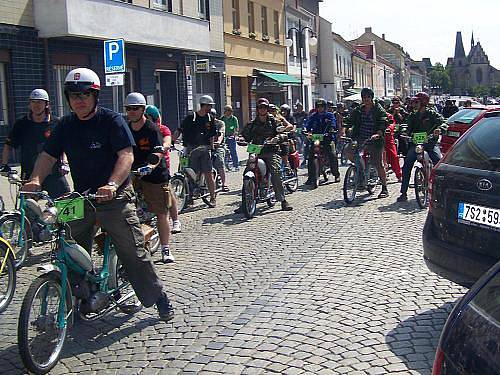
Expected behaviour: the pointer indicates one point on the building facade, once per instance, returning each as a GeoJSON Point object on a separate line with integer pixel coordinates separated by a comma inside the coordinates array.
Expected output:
{"type": "Point", "coordinates": [471, 70]}
{"type": "Point", "coordinates": [255, 54]}
{"type": "Point", "coordinates": [362, 71]}
{"type": "Point", "coordinates": [42, 40]}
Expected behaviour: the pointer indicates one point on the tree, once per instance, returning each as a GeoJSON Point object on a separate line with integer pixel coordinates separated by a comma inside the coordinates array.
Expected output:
{"type": "Point", "coordinates": [495, 90]}
{"type": "Point", "coordinates": [480, 91]}
{"type": "Point", "coordinates": [439, 78]}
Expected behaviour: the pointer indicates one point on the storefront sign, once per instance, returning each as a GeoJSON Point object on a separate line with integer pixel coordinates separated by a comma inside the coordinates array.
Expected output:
{"type": "Point", "coordinates": [202, 66]}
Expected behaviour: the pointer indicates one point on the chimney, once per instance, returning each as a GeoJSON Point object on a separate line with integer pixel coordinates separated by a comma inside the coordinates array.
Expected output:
{"type": "Point", "coordinates": [368, 29]}
{"type": "Point", "coordinates": [383, 36]}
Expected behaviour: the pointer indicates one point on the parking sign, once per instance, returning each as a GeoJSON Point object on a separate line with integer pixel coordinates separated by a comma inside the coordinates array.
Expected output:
{"type": "Point", "coordinates": [114, 56]}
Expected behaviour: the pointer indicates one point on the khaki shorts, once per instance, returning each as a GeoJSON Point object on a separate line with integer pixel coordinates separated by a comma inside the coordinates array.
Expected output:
{"type": "Point", "coordinates": [219, 156]}
{"type": "Point", "coordinates": [157, 196]}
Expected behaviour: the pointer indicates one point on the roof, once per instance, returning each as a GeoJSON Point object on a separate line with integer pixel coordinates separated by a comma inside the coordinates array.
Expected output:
{"type": "Point", "coordinates": [366, 49]}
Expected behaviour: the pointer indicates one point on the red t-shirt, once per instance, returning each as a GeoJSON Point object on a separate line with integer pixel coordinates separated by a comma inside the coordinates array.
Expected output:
{"type": "Point", "coordinates": [165, 132]}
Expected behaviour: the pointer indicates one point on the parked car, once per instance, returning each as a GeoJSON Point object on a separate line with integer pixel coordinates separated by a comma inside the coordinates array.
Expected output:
{"type": "Point", "coordinates": [470, 341]}
{"type": "Point", "coordinates": [461, 121]}
{"type": "Point", "coordinates": [461, 236]}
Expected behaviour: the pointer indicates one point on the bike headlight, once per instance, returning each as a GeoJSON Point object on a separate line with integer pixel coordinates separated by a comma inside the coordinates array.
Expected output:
{"type": "Point", "coordinates": [419, 149]}
{"type": "Point", "coordinates": [354, 144]}
{"type": "Point", "coordinates": [49, 215]}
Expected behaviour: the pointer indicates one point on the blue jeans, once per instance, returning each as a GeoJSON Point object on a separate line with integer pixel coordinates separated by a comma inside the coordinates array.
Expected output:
{"type": "Point", "coordinates": [411, 157]}
{"type": "Point", "coordinates": [231, 144]}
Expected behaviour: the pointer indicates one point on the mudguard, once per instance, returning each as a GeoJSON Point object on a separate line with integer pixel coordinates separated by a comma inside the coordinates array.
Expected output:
{"type": "Point", "coordinates": [249, 174]}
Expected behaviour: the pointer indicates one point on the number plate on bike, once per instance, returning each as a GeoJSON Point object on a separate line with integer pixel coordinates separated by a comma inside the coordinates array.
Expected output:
{"type": "Point", "coordinates": [184, 162]}
{"type": "Point", "coordinates": [317, 137]}
{"type": "Point", "coordinates": [478, 215]}
{"type": "Point", "coordinates": [254, 149]}
{"type": "Point", "coordinates": [419, 138]}
{"type": "Point", "coordinates": [70, 209]}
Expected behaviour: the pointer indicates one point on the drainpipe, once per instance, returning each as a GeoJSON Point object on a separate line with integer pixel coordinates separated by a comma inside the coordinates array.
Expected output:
{"type": "Point", "coordinates": [46, 64]}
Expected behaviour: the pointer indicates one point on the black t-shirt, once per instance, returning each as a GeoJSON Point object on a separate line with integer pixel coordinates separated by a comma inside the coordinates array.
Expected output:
{"type": "Point", "coordinates": [31, 137]}
{"type": "Point", "coordinates": [146, 139]}
{"type": "Point", "coordinates": [91, 146]}
{"type": "Point", "coordinates": [197, 130]}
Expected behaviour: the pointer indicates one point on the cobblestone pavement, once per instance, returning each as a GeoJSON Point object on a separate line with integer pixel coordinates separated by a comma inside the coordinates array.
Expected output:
{"type": "Point", "coordinates": [324, 289]}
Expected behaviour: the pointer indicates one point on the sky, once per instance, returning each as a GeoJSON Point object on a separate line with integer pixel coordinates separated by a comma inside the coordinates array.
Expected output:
{"type": "Point", "coordinates": [423, 28]}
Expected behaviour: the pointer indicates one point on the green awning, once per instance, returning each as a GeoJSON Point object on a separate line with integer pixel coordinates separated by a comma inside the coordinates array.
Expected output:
{"type": "Point", "coordinates": [282, 78]}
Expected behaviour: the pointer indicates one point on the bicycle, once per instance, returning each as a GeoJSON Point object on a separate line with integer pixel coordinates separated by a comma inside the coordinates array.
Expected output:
{"type": "Point", "coordinates": [360, 175]}
{"type": "Point", "coordinates": [53, 299]}
{"type": "Point", "coordinates": [7, 274]}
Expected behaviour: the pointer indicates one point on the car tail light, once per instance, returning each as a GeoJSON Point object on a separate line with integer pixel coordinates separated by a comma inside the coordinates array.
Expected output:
{"type": "Point", "coordinates": [437, 369]}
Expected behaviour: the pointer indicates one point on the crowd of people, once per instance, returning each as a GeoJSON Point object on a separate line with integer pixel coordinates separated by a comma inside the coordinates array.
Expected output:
{"type": "Point", "coordinates": [101, 149]}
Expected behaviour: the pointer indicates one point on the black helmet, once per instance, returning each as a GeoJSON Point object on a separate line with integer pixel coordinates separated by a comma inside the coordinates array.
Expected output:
{"type": "Point", "coordinates": [366, 91]}
{"type": "Point", "coordinates": [330, 103]}
{"type": "Point", "coordinates": [320, 101]}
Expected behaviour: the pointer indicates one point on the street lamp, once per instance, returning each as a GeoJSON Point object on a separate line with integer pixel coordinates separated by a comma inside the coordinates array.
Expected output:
{"type": "Point", "coordinates": [312, 41]}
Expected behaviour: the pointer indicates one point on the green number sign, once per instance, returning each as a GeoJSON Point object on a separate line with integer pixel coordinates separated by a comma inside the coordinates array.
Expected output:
{"type": "Point", "coordinates": [318, 137]}
{"type": "Point", "coordinates": [184, 161]}
{"type": "Point", "coordinates": [254, 149]}
{"type": "Point", "coordinates": [419, 138]}
{"type": "Point", "coordinates": [70, 209]}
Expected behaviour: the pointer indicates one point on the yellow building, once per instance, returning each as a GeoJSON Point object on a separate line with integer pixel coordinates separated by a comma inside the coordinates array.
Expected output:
{"type": "Point", "coordinates": [254, 38]}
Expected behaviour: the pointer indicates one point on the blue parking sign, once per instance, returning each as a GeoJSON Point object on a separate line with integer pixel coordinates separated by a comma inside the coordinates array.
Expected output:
{"type": "Point", "coordinates": [114, 56]}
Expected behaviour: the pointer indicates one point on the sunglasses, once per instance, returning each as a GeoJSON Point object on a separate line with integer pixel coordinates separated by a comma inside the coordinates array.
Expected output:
{"type": "Point", "coordinates": [262, 106]}
{"type": "Point", "coordinates": [132, 108]}
{"type": "Point", "coordinates": [80, 95]}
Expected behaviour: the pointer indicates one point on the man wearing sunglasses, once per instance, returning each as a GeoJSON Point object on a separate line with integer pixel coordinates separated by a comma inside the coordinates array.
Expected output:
{"type": "Point", "coordinates": [98, 144]}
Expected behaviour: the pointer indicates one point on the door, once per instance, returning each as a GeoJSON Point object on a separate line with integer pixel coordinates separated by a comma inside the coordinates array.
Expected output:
{"type": "Point", "coordinates": [237, 99]}
{"type": "Point", "coordinates": [168, 98]}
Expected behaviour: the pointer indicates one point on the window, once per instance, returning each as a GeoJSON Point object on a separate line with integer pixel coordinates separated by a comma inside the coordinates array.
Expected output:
{"type": "Point", "coordinates": [251, 17]}
{"type": "Point", "coordinates": [59, 73]}
{"type": "Point", "coordinates": [162, 4]}
{"type": "Point", "coordinates": [479, 75]}
{"type": "Point", "coordinates": [479, 149]}
{"type": "Point", "coordinates": [236, 14]}
{"type": "Point", "coordinates": [264, 21]}
{"type": "Point", "coordinates": [465, 116]}
{"type": "Point", "coordinates": [4, 105]}
{"type": "Point", "coordinates": [276, 19]}
{"type": "Point", "coordinates": [203, 9]}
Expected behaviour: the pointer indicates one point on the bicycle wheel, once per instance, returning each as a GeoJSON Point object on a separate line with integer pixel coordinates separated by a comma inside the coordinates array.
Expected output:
{"type": "Point", "coordinates": [350, 184]}
{"type": "Point", "coordinates": [421, 191]}
{"type": "Point", "coordinates": [292, 185]}
{"type": "Point", "coordinates": [178, 189]}
{"type": "Point", "coordinates": [40, 339]}
{"type": "Point", "coordinates": [10, 228]}
{"type": "Point", "coordinates": [7, 278]}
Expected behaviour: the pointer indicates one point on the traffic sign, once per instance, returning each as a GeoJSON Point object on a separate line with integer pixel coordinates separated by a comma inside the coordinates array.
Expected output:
{"type": "Point", "coordinates": [114, 79]}
{"type": "Point", "coordinates": [114, 56]}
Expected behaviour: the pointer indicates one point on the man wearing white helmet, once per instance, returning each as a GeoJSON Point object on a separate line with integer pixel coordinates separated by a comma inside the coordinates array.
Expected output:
{"type": "Point", "coordinates": [30, 134]}
{"type": "Point", "coordinates": [99, 147]}
{"type": "Point", "coordinates": [198, 131]}
{"type": "Point", "coordinates": [154, 177]}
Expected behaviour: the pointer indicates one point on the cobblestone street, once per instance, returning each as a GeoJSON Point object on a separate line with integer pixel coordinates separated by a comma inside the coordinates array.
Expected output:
{"type": "Point", "coordinates": [323, 289]}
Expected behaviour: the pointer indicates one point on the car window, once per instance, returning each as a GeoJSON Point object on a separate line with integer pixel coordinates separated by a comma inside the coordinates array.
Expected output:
{"type": "Point", "coordinates": [465, 116]}
{"type": "Point", "coordinates": [488, 298]}
{"type": "Point", "coordinates": [479, 148]}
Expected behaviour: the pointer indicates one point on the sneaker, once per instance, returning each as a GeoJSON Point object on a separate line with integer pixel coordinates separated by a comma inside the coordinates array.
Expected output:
{"type": "Point", "coordinates": [225, 188]}
{"type": "Point", "coordinates": [402, 198]}
{"type": "Point", "coordinates": [212, 203]}
{"type": "Point", "coordinates": [285, 206]}
{"type": "Point", "coordinates": [236, 169]}
{"type": "Point", "coordinates": [176, 226]}
{"type": "Point", "coordinates": [165, 309]}
{"type": "Point", "coordinates": [166, 255]}
{"type": "Point", "coordinates": [384, 193]}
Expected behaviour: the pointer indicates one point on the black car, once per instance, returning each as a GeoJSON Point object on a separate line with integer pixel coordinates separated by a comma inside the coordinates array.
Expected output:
{"type": "Point", "coordinates": [470, 341]}
{"type": "Point", "coordinates": [461, 237]}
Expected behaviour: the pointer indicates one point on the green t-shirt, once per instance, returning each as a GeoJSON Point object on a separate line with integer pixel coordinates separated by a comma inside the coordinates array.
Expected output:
{"type": "Point", "coordinates": [231, 124]}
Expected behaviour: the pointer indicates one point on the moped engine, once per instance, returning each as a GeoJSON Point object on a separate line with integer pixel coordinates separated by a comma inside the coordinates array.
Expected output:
{"type": "Point", "coordinates": [95, 303]}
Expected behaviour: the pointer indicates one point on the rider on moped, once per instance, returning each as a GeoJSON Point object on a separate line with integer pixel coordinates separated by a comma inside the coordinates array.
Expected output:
{"type": "Point", "coordinates": [262, 128]}
{"type": "Point", "coordinates": [323, 122]}
{"type": "Point", "coordinates": [424, 119]}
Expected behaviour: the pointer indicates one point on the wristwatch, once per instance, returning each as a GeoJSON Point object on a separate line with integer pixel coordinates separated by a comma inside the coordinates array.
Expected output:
{"type": "Point", "coordinates": [112, 183]}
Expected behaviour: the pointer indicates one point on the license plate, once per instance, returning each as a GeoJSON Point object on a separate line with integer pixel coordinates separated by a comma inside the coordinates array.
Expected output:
{"type": "Point", "coordinates": [318, 137]}
{"type": "Point", "coordinates": [419, 138]}
{"type": "Point", "coordinates": [480, 215]}
{"type": "Point", "coordinates": [254, 149]}
{"type": "Point", "coordinates": [184, 161]}
{"type": "Point", "coordinates": [453, 134]}
{"type": "Point", "coordinates": [70, 209]}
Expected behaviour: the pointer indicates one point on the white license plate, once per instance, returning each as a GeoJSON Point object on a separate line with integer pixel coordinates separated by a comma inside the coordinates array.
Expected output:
{"type": "Point", "coordinates": [453, 134]}
{"type": "Point", "coordinates": [474, 214]}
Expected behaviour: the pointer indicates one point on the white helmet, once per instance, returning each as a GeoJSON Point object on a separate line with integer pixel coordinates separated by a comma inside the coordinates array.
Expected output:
{"type": "Point", "coordinates": [39, 94]}
{"type": "Point", "coordinates": [135, 98]}
{"type": "Point", "coordinates": [207, 99]}
{"type": "Point", "coordinates": [80, 80]}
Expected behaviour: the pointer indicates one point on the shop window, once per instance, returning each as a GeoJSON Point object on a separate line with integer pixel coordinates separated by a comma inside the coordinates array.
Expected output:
{"type": "Point", "coordinates": [4, 105]}
{"type": "Point", "coordinates": [59, 74]}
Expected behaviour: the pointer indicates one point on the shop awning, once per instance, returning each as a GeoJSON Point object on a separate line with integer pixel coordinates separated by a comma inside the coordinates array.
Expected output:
{"type": "Point", "coordinates": [282, 78]}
